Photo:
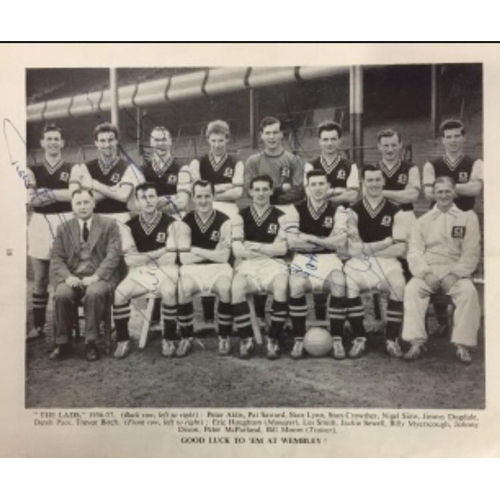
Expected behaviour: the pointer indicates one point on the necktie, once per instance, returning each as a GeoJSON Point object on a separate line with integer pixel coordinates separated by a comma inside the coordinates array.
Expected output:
{"type": "Point", "coordinates": [85, 232]}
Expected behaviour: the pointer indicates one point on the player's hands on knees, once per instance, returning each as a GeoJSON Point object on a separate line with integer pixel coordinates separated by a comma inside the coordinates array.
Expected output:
{"type": "Point", "coordinates": [73, 281]}
{"type": "Point", "coordinates": [90, 280]}
{"type": "Point", "coordinates": [432, 281]}
{"type": "Point", "coordinates": [448, 281]}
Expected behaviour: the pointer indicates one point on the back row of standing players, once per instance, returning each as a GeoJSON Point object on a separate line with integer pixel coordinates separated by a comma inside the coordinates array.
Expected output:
{"type": "Point", "coordinates": [297, 206]}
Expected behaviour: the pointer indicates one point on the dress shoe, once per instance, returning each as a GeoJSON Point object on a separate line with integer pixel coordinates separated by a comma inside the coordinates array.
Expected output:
{"type": "Point", "coordinates": [60, 352]}
{"type": "Point", "coordinates": [463, 355]}
{"type": "Point", "coordinates": [91, 352]}
{"type": "Point", "coordinates": [415, 352]}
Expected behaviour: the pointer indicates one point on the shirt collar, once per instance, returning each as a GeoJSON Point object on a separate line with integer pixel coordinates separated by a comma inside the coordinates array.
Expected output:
{"type": "Point", "coordinates": [454, 211]}
{"type": "Point", "coordinates": [88, 221]}
{"type": "Point", "coordinates": [107, 165]}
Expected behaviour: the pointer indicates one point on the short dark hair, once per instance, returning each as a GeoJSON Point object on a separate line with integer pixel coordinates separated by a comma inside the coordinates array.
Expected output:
{"type": "Point", "coordinates": [81, 191]}
{"type": "Point", "coordinates": [443, 179]}
{"type": "Point", "coordinates": [202, 183]}
{"type": "Point", "coordinates": [51, 127]}
{"type": "Point", "coordinates": [106, 127]}
{"type": "Point", "coordinates": [144, 187]}
{"type": "Point", "coordinates": [316, 173]}
{"type": "Point", "coordinates": [370, 168]}
{"type": "Point", "coordinates": [268, 120]}
{"type": "Point", "coordinates": [262, 178]}
{"type": "Point", "coordinates": [388, 132]}
{"type": "Point", "coordinates": [451, 125]}
{"type": "Point", "coordinates": [329, 126]}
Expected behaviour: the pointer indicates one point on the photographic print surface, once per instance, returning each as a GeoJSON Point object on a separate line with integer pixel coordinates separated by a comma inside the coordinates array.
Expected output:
{"type": "Point", "coordinates": [228, 293]}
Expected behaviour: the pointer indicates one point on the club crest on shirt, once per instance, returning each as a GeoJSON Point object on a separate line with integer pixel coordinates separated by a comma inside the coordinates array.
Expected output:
{"type": "Point", "coordinates": [161, 237]}
{"type": "Point", "coordinates": [172, 179]}
{"type": "Point", "coordinates": [272, 229]}
{"type": "Point", "coordinates": [463, 177]}
{"type": "Point", "coordinates": [228, 172]}
{"type": "Point", "coordinates": [402, 179]}
{"type": "Point", "coordinates": [115, 178]}
{"type": "Point", "coordinates": [64, 177]}
{"type": "Point", "coordinates": [215, 236]}
{"type": "Point", "coordinates": [285, 172]}
{"type": "Point", "coordinates": [458, 232]}
{"type": "Point", "coordinates": [328, 222]}
{"type": "Point", "coordinates": [341, 174]}
{"type": "Point", "coordinates": [386, 221]}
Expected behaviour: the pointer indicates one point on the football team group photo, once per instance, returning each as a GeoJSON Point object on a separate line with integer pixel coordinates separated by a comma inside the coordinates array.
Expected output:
{"type": "Point", "coordinates": [239, 237]}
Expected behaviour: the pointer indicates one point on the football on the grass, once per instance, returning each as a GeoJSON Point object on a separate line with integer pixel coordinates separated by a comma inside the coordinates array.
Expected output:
{"type": "Point", "coordinates": [318, 342]}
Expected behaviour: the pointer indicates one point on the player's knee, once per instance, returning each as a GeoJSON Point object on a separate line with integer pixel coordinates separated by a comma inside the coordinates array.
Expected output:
{"type": "Point", "coordinates": [40, 286]}
{"type": "Point", "coordinates": [222, 288]}
{"type": "Point", "coordinates": [168, 290]}
{"type": "Point", "coordinates": [185, 290]}
{"type": "Point", "coordinates": [336, 283]}
{"type": "Point", "coordinates": [397, 286]}
{"type": "Point", "coordinates": [297, 286]}
{"type": "Point", "coordinates": [280, 287]}
{"type": "Point", "coordinates": [122, 294]}
{"type": "Point", "coordinates": [238, 288]}
{"type": "Point", "coordinates": [352, 287]}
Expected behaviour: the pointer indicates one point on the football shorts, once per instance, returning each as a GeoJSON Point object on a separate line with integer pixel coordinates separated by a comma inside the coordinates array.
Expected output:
{"type": "Point", "coordinates": [261, 272]}
{"type": "Point", "coordinates": [371, 273]}
{"type": "Point", "coordinates": [42, 230]}
{"type": "Point", "coordinates": [322, 270]}
{"type": "Point", "coordinates": [205, 275]}
{"type": "Point", "coordinates": [147, 279]}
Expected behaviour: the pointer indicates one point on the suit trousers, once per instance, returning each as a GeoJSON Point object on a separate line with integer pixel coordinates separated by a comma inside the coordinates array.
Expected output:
{"type": "Point", "coordinates": [94, 299]}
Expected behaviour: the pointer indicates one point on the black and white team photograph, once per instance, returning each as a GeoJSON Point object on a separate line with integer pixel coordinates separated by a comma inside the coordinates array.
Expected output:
{"type": "Point", "coordinates": [238, 237]}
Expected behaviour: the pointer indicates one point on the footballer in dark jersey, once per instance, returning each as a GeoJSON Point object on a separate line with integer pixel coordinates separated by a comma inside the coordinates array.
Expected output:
{"type": "Point", "coordinates": [205, 267]}
{"type": "Point", "coordinates": [466, 171]}
{"type": "Point", "coordinates": [402, 178]}
{"type": "Point", "coordinates": [49, 197]}
{"type": "Point", "coordinates": [377, 236]}
{"type": "Point", "coordinates": [149, 246]}
{"type": "Point", "coordinates": [342, 174]}
{"type": "Point", "coordinates": [223, 170]}
{"type": "Point", "coordinates": [111, 178]}
{"type": "Point", "coordinates": [259, 243]}
{"type": "Point", "coordinates": [316, 229]}
{"type": "Point", "coordinates": [170, 175]}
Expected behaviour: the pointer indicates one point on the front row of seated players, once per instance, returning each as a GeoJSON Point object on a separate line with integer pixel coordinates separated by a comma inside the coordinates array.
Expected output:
{"type": "Point", "coordinates": [444, 251]}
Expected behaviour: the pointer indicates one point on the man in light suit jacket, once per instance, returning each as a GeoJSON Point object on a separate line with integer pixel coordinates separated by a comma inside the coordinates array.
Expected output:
{"type": "Point", "coordinates": [84, 262]}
